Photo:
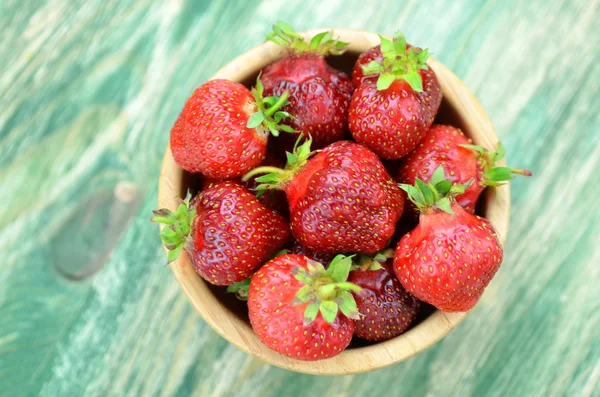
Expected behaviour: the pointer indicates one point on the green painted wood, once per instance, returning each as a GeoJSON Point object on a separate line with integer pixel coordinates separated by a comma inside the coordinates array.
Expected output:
{"type": "Point", "coordinates": [88, 93]}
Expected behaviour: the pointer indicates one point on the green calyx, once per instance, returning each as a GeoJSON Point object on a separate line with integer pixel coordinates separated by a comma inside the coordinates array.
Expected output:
{"type": "Point", "coordinates": [495, 175]}
{"type": "Point", "coordinates": [326, 291]}
{"type": "Point", "coordinates": [274, 177]}
{"type": "Point", "coordinates": [372, 262]}
{"type": "Point", "coordinates": [399, 63]}
{"type": "Point", "coordinates": [323, 43]}
{"type": "Point", "coordinates": [240, 289]}
{"type": "Point", "coordinates": [437, 194]}
{"type": "Point", "coordinates": [268, 114]}
{"type": "Point", "coordinates": [178, 226]}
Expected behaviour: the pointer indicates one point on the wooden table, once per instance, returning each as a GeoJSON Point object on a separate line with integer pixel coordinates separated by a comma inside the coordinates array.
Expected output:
{"type": "Point", "coordinates": [88, 93]}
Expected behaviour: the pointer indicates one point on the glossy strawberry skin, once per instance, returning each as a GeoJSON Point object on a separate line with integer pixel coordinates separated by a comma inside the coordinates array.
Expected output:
{"type": "Point", "coordinates": [448, 260]}
{"type": "Point", "coordinates": [321, 257]}
{"type": "Point", "coordinates": [387, 309]}
{"type": "Point", "coordinates": [372, 54]}
{"type": "Point", "coordinates": [233, 233]}
{"type": "Point", "coordinates": [319, 97]}
{"type": "Point", "coordinates": [343, 200]}
{"type": "Point", "coordinates": [392, 122]}
{"type": "Point", "coordinates": [210, 135]}
{"type": "Point", "coordinates": [280, 325]}
{"type": "Point", "coordinates": [441, 147]}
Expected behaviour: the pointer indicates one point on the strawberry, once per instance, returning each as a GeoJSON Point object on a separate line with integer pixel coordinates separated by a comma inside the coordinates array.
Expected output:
{"type": "Point", "coordinates": [395, 105]}
{"type": "Point", "coordinates": [341, 200]}
{"type": "Point", "coordinates": [324, 258]}
{"type": "Point", "coordinates": [223, 128]}
{"type": "Point", "coordinates": [226, 232]}
{"type": "Point", "coordinates": [319, 94]}
{"type": "Point", "coordinates": [452, 255]}
{"type": "Point", "coordinates": [387, 310]}
{"type": "Point", "coordinates": [301, 310]}
{"type": "Point", "coordinates": [447, 146]}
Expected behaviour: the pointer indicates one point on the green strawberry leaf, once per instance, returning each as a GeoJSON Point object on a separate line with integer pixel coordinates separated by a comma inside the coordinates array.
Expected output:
{"type": "Point", "coordinates": [328, 310]}
{"type": "Point", "coordinates": [386, 46]}
{"type": "Point", "coordinates": [310, 313]}
{"type": "Point", "coordinates": [255, 120]}
{"type": "Point", "coordinates": [444, 205]}
{"type": "Point", "coordinates": [384, 81]}
{"type": "Point", "coordinates": [339, 268]}
{"type": "Point", "coordinates": [413, 78]}
{"type": "Point", "coordinates": [304, 295]}
{"type": "Point", "coordinates": [438, 176]}
{"type": "Point", "coordinates": [476, 148]}
{"type": "Point", "coordinates": [347, 305]}
{"type": "Point", "coordinates": [302, 275]}
{"type": "Point", "coordinates": [174, 253]}
{"type": "Point", "coordinates": [443, 187]}
{"type": "Point", "coordinates": [399, 42]}
{"type": "Point", "coordinates": [317, 39]}
{"type": "Point", "coordinates": [425, 191]}
{"type": "Point", "coordinates": [315, 268]}
{"type": "Point", "coordinates": [240, 289]}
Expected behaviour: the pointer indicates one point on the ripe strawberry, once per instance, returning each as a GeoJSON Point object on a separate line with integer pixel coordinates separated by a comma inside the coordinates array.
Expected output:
{"type": "Point", "coordinates": [387, 310]}
{"type": "Point", "coordinates": [372, 54]}
{"type": "Point", "coordinates": [225, 230]}
{"type": "Point", "coordinates": [451, 256]}
{"type": "Point", "coordinates": [301, 310]}
{"type": "Point", "coordinates": [324, 258]}
{"type": "Point", "coordinates": [393, 108]}
{"type": "Point", "coordinates": [319, 94]}
{"type": "Point", "coordinates": [447, 146]}
{"type": "Point", "coordinates": [341, 200]}
{"type": "Point", "coordinates": [223, 128]}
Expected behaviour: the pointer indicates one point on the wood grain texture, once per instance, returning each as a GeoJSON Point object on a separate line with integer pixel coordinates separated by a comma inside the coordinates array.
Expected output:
{"type": "Point", "coordinates": [88, 93]}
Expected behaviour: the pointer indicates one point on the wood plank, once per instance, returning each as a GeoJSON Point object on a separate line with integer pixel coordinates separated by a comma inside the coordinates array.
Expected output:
{"type": "Point", "coordinates": [89, 91]}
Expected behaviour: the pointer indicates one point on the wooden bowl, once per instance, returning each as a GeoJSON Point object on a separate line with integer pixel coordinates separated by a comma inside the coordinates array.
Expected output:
{"type": "Point", "coordinates": [228, 317]}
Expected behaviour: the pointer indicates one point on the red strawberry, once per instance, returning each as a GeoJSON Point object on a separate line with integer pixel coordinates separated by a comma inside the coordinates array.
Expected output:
{"type": "Point", "coordinates": [223, 128]}
{"type": "Point", "coordinates": [451, 256]}
{"type": "Point", "coordinates": [319, 94]}
{"type": "Point", "coordinates": [391, 112]}
{"type": "Point", "coordinates": [225, 230]}
{"type": "Point", "coordinates": [447, 146]}
{"type": "Point", "coordinates": [341, 200]}
{"type": "Point", "coordinates": [301, 310]}
{"type": "Point", "coordinates": [324, 258]}
{"type": "Point", "coordinates": [387, 310]}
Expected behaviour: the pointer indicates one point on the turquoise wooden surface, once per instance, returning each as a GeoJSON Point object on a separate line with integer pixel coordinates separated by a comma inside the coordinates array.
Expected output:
{"type": "Point", "coordinates": [88, 93]}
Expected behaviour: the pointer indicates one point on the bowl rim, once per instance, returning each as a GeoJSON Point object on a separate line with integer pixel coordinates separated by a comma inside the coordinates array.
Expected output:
{"type": "Point", "coordinates": [360, 359]}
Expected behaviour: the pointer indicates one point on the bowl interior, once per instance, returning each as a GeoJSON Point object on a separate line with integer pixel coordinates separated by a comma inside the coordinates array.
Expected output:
{"type": "Point", "coordinates": [229, 317]}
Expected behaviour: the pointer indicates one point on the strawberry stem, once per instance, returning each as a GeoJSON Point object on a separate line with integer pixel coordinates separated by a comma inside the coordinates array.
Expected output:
{"type": "Point", "coordinates": [269, 115]}
{"type": "Point", "coordinates": [275, 107]}
{"type": "Point", "coordinates": [494, 175]}
{"type": "Point", "coordinates": [330, 291]}
{"type": "Point", "coordinates": [178, 226]}
{"type": "Point", "coordinates": [264, 170]}
{"type": "Point", "coordinates": [274, 177]}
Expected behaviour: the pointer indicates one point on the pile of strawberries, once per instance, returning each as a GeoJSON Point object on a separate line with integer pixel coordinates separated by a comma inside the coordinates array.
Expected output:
{"type": "Point", "coordinates": [299, 215]}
